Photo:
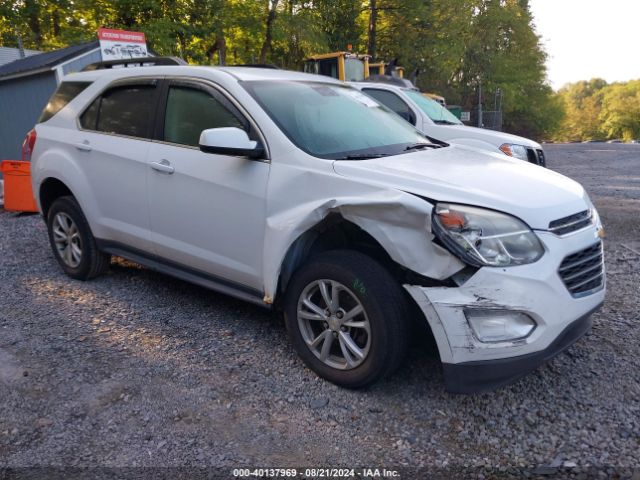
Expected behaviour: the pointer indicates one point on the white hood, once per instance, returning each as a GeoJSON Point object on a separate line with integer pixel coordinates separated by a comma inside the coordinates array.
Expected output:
{"type": "Point", "coordinates": [458, 174]}
{"type": "Point", "coordinates": [459, 132]}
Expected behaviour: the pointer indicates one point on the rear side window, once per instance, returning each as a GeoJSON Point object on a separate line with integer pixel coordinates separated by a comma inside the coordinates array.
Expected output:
{"type": "Point", "coordinates": [392, 101]}
{"type": "Point", "coordinates": [66, 92]}
{"type": "Point", "coordinates": [123, 110]}
{"type": "Point", "coordinates": [190, 111]}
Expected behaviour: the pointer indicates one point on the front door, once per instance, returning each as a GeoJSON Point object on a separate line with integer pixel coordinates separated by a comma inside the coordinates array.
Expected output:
{"type": "Point", "coordinates": [207, 211]}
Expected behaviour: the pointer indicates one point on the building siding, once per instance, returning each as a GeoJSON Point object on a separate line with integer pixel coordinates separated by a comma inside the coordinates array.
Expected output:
{"type": "Point", "coordinates": [82, 61]}
{"type": "Point", "coordinates": [8, 54]}
{"type": "Point", "coordinates": [21, 103]}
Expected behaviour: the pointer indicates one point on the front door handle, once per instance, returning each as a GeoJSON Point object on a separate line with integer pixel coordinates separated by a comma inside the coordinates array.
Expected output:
{"type": "Point", "coordinates": [163, 166]}
{"type": "Point", "coordinates": [84, 146]}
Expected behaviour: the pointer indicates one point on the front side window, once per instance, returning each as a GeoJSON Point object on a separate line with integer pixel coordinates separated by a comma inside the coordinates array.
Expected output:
{"type": "Point", "coordinates": [123, 110]}
{"type": "Point", "coordinates": [190, 111]}
{"type": "Point", "coordinates": [333, 121]}
{"type": "Point", "coordinates": [66, 92]}
{"type": "Point", "coordinates": [392, 101]}
{"type": "Point", "coordinates": [433, 109]}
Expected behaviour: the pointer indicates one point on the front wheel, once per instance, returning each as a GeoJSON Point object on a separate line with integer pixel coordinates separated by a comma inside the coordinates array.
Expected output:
{"type": "Point", "coordinates": [347, 318]}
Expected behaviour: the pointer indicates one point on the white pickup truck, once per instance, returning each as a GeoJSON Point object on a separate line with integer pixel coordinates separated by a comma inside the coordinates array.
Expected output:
{"type": "Point", "coordinates": [437, 122]}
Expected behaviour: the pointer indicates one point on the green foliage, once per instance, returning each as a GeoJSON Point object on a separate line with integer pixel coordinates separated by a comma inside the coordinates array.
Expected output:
{"type": "Point", "coordinates": [597, 111]}
{"type": "Point", "coordinates": [620, 114]}
{"type": "Point", "coordinates": [454, 44]}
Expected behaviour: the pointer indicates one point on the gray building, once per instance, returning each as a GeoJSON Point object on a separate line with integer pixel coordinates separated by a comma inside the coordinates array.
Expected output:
{"type": "Point", "coordinates": [26, 85]}
{"type": "Point", "coordinates": [9, 54]}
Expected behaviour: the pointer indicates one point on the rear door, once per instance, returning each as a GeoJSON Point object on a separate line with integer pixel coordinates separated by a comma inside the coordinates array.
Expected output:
{"type": "Point", "coordinates": [207, 211]}
{"type": "Point", "coordinates": [113, 143]}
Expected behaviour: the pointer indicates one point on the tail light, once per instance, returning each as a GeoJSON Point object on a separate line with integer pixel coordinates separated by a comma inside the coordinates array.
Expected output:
{"type": "Point", "coordinates": [28, 145]}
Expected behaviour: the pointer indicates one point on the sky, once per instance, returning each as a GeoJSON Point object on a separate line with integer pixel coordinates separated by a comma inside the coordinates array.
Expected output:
{"type": "Point", "coordinates": [589, 38]}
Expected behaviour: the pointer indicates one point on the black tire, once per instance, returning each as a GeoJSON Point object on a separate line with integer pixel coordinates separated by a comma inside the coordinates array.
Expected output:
{"type": "Point", "coordinates": [382, 299]}
{"type": "Point", "coordinates": [92, 261]}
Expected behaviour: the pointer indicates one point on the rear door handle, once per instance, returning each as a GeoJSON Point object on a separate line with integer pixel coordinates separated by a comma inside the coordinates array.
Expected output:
{"type": "Point", "coordinates": [84, 146]}
{"type": "Point", "coordinates": [163, 166]}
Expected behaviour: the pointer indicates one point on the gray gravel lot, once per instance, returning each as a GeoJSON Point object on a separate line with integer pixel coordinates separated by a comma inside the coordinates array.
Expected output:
{"type": "Point", "coordinates": [138, 369]}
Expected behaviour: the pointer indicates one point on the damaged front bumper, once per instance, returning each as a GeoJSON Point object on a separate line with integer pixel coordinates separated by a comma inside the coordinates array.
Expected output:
{"type": "Point", "coordinates": [471, 377]}
{"type": "Point", "coordinates": [536, 290]}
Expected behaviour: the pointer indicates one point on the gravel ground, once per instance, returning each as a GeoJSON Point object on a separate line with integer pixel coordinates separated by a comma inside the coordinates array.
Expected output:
{"type": "Point", "coordinates": [135, 369]}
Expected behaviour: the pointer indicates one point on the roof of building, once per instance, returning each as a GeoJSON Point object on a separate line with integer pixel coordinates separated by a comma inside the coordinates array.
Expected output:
{"type": "Point", "coordinates": [9, 54]}
{"type": "Point", "coordinates": [46, 60]}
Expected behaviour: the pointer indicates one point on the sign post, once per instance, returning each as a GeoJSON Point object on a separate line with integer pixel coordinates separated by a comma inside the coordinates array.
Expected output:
{"type": "Point", "coordinates": [120, 44]}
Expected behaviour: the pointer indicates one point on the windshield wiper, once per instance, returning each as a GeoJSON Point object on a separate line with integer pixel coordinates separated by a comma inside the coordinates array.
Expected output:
{"type": "Point", "coordinates": [420, 146]}
{"type": "Point", "coordinates": [445, 122]}
{"type": "Point", "coordinates": [362, 156]}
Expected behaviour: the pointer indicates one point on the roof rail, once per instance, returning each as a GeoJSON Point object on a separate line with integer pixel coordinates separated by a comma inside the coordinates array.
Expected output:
{"type": "Point", "coordinates": [256, 65]}
{"type": "Point", "coordinates": [139, 62]}
{"type": "Point", "coordinates": [389, 80]}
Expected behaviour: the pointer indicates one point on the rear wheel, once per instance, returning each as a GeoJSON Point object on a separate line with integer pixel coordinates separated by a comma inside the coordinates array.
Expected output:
{"type": "Point", "coordinates": [347, 318]}
{"type": "Point", "coordinates": [72, 242]}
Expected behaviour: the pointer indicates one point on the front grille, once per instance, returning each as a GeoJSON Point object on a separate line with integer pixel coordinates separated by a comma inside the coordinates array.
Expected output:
{"type": "Point", "coordinates": [583, 272]}
{"type": "Point", "coordinates": [536, 157]}
{"type": "Point", "coordinates": [572, 223]}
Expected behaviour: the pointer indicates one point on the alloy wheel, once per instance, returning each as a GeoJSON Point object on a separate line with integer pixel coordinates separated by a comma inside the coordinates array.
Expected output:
{"type": "Point", "coordinates": [334, 324]}
{"type": "Point", "coordinates": [67, 239]}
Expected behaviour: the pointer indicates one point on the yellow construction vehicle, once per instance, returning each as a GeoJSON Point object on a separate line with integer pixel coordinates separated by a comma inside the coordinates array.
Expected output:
{"type": "Point", "coordinates": [345, 66]}
{"type": "Point", "coordinates": [379, 68]}
{"type": "Point", "coordinates": [438, 98]}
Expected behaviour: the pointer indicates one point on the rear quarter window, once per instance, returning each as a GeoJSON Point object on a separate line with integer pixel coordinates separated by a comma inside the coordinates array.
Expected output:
{"type": "Point", "coordinates": [66, 92]}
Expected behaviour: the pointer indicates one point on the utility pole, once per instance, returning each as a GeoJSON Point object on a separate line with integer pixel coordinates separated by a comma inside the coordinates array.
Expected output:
{"type": "Point", "coordinates": [20, 45]}
{"type": "Point", "coordinates": [479, 103]}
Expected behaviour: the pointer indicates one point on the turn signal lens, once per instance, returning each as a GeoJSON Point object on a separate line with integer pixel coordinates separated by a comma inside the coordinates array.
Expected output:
{"type": "Point", "coordinates": [515, 151]}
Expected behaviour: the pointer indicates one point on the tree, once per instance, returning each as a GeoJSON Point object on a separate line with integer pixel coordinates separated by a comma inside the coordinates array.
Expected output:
{"type": "Point", "coordinates": [454, 44]}
{"type": "Point", "coordinates": [339, 20]}
{"type": "Point", "coordinates": [272, 6]}
{"type": "Point", "coordinates": [373, 28]}
{"type": "Point", "coordinates": [583, 104]}
{"type": "Point", "coordinates": [620, 114]}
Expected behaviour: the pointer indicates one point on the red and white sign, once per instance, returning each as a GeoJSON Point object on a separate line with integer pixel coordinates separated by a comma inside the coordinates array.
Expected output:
{"type": "Point", "coordinates": [120, 44]}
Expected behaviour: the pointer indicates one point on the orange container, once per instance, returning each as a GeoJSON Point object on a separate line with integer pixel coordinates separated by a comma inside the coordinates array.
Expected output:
{"type": "Point", "coordinates": [18, 195]}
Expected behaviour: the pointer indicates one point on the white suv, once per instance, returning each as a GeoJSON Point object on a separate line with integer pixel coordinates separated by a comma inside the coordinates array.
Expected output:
{"type": "Point", "coordinates": [436, 121]}
{"type": "Point", "coordinates": [298, 192]}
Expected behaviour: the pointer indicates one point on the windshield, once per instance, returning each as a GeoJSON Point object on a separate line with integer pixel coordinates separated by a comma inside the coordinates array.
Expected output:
{"type": "Point", "coordinates": [433, 109]}
{"type": "Point", "coordinates": [353, 70]}
{"type": "Point", "coordinates": [334, 121]}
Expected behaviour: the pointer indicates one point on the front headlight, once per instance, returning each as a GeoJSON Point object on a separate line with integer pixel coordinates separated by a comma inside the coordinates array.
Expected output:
{"type": "Point", "coordinates": [483, 237]}
{"type": "Point", "coordinates": [516, 151]}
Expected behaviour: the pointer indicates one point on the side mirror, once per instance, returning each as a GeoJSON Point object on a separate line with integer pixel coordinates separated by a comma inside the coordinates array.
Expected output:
{"type": "Point", "coordinates": [229, 141]}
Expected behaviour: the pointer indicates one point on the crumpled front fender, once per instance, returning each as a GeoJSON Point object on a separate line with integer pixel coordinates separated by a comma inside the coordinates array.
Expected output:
{"type": "Point", "coordinates": [399, 221]}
